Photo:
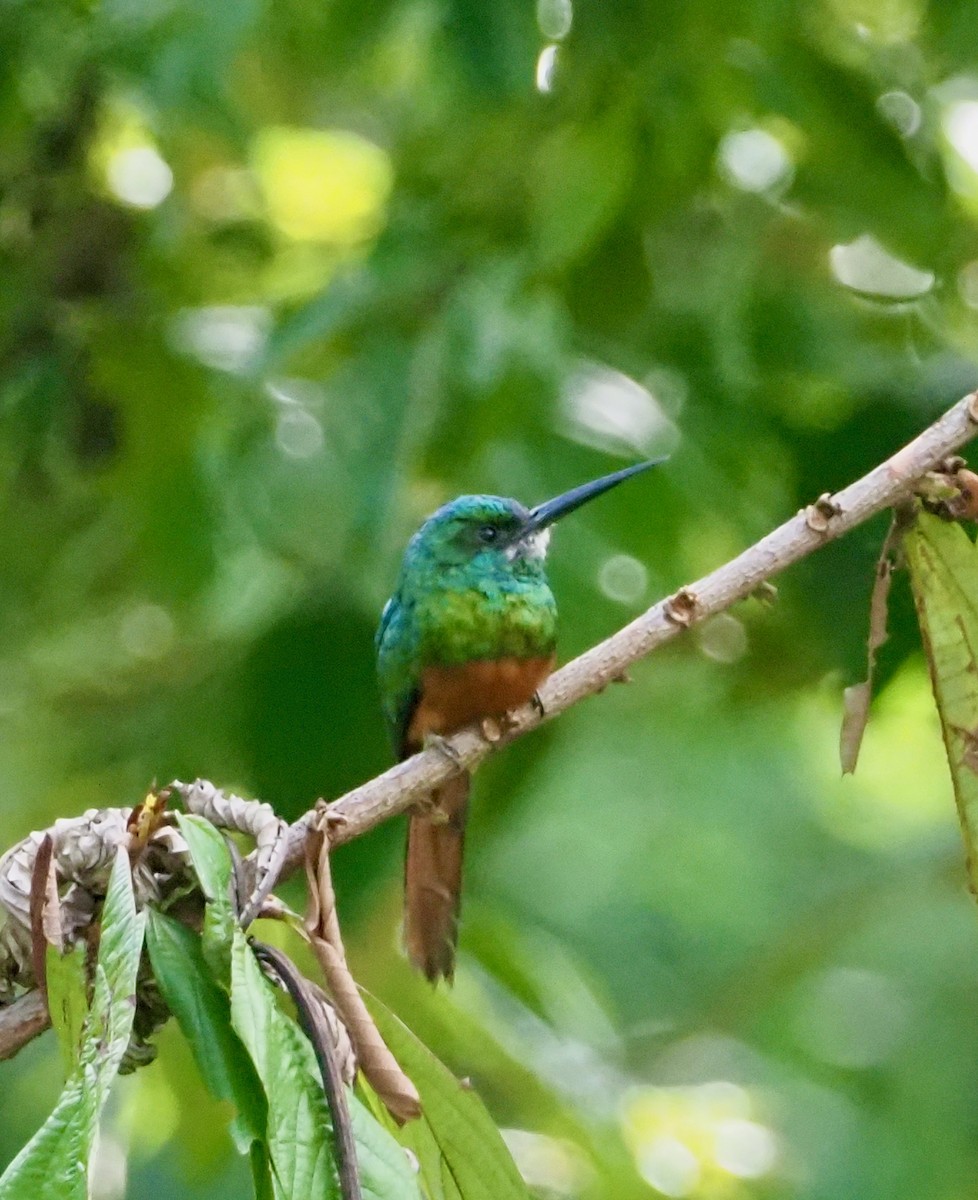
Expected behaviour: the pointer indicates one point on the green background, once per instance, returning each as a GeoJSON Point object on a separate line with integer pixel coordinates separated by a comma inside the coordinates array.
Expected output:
{"type": "Point", "coordinates": [279, 279]}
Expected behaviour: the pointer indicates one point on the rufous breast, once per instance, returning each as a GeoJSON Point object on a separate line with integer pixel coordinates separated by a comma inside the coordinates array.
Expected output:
{"type": "Point", "coordinates": [453, 696]}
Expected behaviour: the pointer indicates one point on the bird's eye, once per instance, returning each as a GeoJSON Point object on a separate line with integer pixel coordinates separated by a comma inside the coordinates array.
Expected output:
{"type": "Point", "coordinates": [488, 534]}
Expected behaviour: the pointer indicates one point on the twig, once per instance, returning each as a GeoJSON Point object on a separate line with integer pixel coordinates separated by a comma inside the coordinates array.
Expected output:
{"type": "Point", "coordinates": [322, 927]}
{"type": "Point", "coordinates": [21, 1022]}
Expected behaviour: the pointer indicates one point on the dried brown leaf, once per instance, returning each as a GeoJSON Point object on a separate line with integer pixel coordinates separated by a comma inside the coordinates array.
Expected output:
{"type": "Point", "coordinates": [45, 910]}
{"type": "Point", "coordinates": [856, 699]}
{"type": "Point", "coordinates": [379, 1066]}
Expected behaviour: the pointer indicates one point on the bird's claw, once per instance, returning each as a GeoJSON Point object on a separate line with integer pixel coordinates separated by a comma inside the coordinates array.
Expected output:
{"type": "Point", "coordinates": [492, 729]}
{"type": "Point", "coordinates": [537, 701]}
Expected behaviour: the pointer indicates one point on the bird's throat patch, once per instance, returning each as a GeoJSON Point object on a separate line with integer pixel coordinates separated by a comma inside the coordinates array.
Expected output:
{"type": "Point", "coordinates": [533, 546]}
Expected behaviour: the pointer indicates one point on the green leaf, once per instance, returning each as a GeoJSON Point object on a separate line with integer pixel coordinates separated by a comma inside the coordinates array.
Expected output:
{"type": "Point", "coordinates": [462, 1155]}
{"type": "Point", "coordinates": [298, 1131]}
{"type": "Point", "coordinates": [943, 565]}
{"type": "Point", "coordinates": [299, 1122]}
{"type": "Point", "coordinates": [54, 1163]}
{"type": "Point", "coordinates": [67, 987]}
{"type": "Point", "coordinates": [261, 1171]}
{"type": "Point", "coordinates": [212, 862]}
{"type": "Point", "coordinates": [438, 1179]}
{"type": "Point", "coordinates": [385, 1172]}
{"type": "Point", "coordinates": [495, 43]}
{"type": "Point", "coordinates": [203, 1012]}
{"type": "Point", "coordinates": [580, 181]}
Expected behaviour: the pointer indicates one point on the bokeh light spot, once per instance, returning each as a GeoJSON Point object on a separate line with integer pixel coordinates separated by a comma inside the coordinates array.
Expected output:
{"type": "Point", "coordinates": [147, 631]}
{"type": "Point", "coordinates": [960, 123]}
{"type": "Point", "coordinates": [851, 1018]}
{"type": "Point", "coordinates": [323, 185]}
{"type": "Point", "coordinates": [754, 160]}
{"type": "Point", "coordinates": [551, 1164]}
{"type": "Point", "coordinates": [298, 434]}
{"type": "Point", "coordinates": [723, 638]}
{"type": "Point", "coordinates": [228, 337]}
{"type": "Point", "coordinates": [546, 67]}
{"type": "Point", "coordinates": [554, 18]}
{"type": "Point", "coordinates": [692, 1138]}
{"type": "Point", "coordinates": [125, 158]}
{"type": "Point", "coordinates": [139, 177]}
{"type": "Point", "coordinates": [968, 283]}
{"type": "Point", "coordinates": [867, 267]}
{"type": "Point", "coordinates": [744, 1148]}
{"type": "Point", "coordinates": [900, 110]}
{"type": "Point", "coordinates": [623, 578]}
{"type": "Point", "coordinates": [670, 1166]}
{"type": "Point", "coordinates": [607, 409]}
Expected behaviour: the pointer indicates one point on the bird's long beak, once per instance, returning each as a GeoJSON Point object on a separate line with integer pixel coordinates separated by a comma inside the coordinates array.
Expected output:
{"type": "Point", "coordinates": [552, 510]}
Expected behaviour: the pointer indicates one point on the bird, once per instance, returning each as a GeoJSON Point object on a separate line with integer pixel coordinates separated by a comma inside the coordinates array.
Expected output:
{"type": "Point", "coordinates": [468, 635]}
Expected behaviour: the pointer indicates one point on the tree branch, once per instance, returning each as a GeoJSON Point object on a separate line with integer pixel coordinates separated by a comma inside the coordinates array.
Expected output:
{"type": "Point", "coordinates": [22, 1021]}
{"type": "Point", "coordinates": [828, 518]}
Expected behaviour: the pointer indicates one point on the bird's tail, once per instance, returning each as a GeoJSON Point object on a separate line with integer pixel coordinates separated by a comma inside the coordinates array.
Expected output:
{"type": "Point", "coordinates": [433, 879]}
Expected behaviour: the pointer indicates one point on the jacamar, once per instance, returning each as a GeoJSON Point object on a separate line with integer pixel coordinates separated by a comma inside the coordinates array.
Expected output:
{"type": "Point", "coordinates": [469, 634]}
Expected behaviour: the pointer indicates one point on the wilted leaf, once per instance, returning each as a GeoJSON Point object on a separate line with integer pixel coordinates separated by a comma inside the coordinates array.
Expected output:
{"type": "Point", "coordinates": [299, 1125]}
{"type": "Point", "coordinates": [856, 699]}
{"type": "Point", "coordinates": [323, 928]}
{"type": "Point", "coordinates": [44, 909]}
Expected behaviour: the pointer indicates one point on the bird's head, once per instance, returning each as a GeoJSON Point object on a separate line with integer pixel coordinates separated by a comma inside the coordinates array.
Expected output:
{"type": "Point", "coordinates": [493, 530]}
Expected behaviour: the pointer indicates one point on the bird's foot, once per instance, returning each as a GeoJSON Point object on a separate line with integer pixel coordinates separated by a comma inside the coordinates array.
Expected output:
{"type": "Point", "coordinates": [435, 741]}
{"type": "Point", "coordinates": [493, 728]}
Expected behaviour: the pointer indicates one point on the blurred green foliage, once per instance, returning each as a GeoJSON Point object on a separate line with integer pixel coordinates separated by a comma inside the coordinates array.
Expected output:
{"type": "Point", "coordinates": [279, 279]}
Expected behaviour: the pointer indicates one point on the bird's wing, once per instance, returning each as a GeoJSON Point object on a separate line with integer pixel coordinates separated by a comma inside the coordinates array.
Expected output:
{"type": "Point", "coordinates": [400, 728]}
{"type": "Point", "coordinates": [397, 670]}
{"type": "Point", "coordinates": [385, 619]}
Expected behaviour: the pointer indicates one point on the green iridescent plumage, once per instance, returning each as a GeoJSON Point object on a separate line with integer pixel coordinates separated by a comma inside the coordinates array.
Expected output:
{"type": "Point", "coordinates": [464, 594]}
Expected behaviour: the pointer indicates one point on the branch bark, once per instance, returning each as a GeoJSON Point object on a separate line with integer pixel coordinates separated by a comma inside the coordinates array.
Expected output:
{"type": "Point", "coordinates": [21, 1022]}
{"type": "Point", "coordinates": [395, 790]}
